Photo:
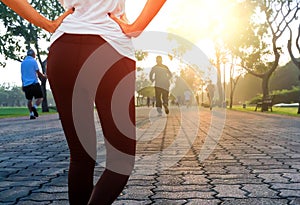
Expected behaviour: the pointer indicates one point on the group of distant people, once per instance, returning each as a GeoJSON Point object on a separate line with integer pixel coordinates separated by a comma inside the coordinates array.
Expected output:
{"type": "Point", "coordinates": [160, 74]}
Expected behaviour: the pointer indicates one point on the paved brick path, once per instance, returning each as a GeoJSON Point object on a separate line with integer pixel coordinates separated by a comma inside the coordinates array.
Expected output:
{"type": "Point", "coordinates": [181, 159]}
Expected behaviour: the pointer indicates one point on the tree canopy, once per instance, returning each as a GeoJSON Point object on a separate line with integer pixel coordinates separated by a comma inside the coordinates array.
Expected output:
{"type": "Point", "coordinates": [19, 35]}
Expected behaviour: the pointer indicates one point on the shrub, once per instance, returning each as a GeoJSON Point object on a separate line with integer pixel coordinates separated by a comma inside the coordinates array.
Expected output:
{"type": "Point", "coordinates": [281, 96]}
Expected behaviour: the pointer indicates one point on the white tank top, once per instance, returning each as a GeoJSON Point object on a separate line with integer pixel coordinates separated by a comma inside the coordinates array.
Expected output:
{"type": "Point", "coordinates": [91, 17]}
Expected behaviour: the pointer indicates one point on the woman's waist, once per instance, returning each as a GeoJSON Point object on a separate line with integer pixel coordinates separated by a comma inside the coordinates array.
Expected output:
{"type": "Point", "coordinates": [86, 24]}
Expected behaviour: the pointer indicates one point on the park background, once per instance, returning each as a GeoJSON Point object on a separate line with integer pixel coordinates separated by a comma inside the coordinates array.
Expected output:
{"type": "Point", "coordinates": [246, 42]}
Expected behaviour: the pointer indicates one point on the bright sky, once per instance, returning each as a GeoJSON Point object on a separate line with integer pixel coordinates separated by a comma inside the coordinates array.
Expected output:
{"type": "Point", "coordinates": [187, 19]}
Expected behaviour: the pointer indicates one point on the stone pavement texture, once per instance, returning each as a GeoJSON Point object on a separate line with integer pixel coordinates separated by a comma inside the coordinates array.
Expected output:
{"type": "Point", "coordinates": [187, 157]}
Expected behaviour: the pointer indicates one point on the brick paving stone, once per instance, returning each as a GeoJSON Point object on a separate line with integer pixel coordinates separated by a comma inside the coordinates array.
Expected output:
{"type": "Point", "coordinates": [225, 191]}
{"type": "Point", "coordinates": [233, 179]}
{"type": "Point", "coordinates": [237, 170]}
{"type": "Point", "coordinates": [59, 180]}
{"type": "Point", "coordinates": [182, 171]}
{"type": "Point", "coordinates": [60, 202]}
{"type": "Point", "coordinates": [5, 172]}
{"type": "Point", "coordinates": [22, 183]}
{"type": "Point", "coordinates": [30, 202]}
{"type": "Point", "coordinates": [250, 162]}
{"type": "Point", "coordinates": [270, 162]}
{"type": "Point", "coordinates": [183, 195]}
{"type": "Point", "coordinates": [275, 170]}
{"type": "Point", "coordinates": [169, 180]}
{"type": "Point", "coordinates": [254, 164]}
{"type": "Point", "coordinates": [289, 193]}
{"type": "Point", "coordinates": [42, 196]}
{"type": "Point", "coordinates": [141, 182]}
{"type": "Point", "coordinates": [294, 177]}
{"type": "Point", "coordinates": [52, 189]}
{"type": "Point", "coordinates": [7, 203]}
{"type": "Point", "coordinates": [189, 187]}
{"type": "Point", "coordinates": [259, 190]}
{"type": "Point", "coordinates": [6, 164]}
{"type": "Point", "coordinates": [203, 202]}
{"type": "Point", "coordinates": [255, 201]}
{"type": "Point", "coordinates": [169, 202]}
{"type": "Point", "coordinates": [285, 186]}
{"type": "Point", "coordinates": [136, 192]}
{"type": "Point", "coordinates": [10, 195]}
{"type": "Point", "coordinates": [52, 171]}
{"type": "Point", "coordinates": [296, 166]}
{"type": "Point", "coordinates": [195, 179]}
{"type": "Point", "coordinates": [295, 201]}
{"type": "Point", "coordinates": [132, 202]}
{"type": "Point", "coordinates": [266, 167]}
{"type": "Point", "coordinates": [216, 169]}
{"type": "Point", "coordinates": [274, 178]}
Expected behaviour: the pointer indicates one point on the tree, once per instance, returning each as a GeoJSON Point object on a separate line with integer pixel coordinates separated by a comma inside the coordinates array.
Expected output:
{"type": "Point", "coordinates": [235, 74]}
{"type": "Point", "coordinates": [285, 77]}
{"type": "Point", "coordinates": [20, 35]}
{"type": "Point", "coordinates": [260, 57]}
{"type": "Point", "coordinates": [220, 56]}
{"type": "Point", "coordinates": [190, 78]}
{"type": "Point", "coordinates": [247, 88]}
{"type": "Point", "coordinates": [293, 58]}
{"type": "Point", "coordinates": [11, 96]}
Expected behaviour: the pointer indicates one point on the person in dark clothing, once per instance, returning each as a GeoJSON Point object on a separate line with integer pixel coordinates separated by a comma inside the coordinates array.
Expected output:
{"type": "Point", "coordinates": [161, 74]}
{"type": "Point", "coordinates": [210, 94]}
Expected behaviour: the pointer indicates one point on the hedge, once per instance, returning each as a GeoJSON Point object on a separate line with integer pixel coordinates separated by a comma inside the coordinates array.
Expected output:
{"type": "Point", "coordinates": [281, 96]}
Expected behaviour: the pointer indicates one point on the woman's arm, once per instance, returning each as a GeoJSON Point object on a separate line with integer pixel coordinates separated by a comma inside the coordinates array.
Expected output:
{"type": "Point", "coordinates": [150, 10]}
{"type": "Point", "coordinates": [26, 11]}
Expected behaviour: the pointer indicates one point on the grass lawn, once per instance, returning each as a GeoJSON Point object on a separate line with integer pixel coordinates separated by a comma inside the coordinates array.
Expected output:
{"type": "Point", "coordinates": [291, 111]}
{"type": "Point", "coordinates": [6, 112]}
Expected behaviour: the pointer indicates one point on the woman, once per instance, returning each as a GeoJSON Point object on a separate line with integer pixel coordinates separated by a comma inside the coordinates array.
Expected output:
{"type": "Point", "coordinates": [85, 28]}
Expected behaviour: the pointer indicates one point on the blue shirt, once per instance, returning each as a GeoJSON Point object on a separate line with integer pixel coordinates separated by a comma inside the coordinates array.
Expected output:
{"type": "Point", "coordinates": [29, 67]}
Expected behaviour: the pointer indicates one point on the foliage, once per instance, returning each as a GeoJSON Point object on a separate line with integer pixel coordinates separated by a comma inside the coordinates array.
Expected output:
{"type": "Point", "coordinates": [285, 77]}
{"type": "Point", "coordinates": [189, 79]}
{"type": "Point", "coordinates": [281, 96]}
{"type": "Point", "coordinates": [142, 82]}
{"type": "Point", "coordinates": [147, 91]}
{"type": "Point", "coordinates": [20, 35]}
{"type": "Point", "coordinates": [11, 95]}
{"type": "Point", "coordinates": [257, 43]}
{"type": "Point", "coordinates": [140, 55]}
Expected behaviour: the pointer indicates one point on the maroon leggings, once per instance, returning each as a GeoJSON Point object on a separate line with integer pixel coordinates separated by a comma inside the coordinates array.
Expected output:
{"type": "Point", "coordinates": [66, 58]}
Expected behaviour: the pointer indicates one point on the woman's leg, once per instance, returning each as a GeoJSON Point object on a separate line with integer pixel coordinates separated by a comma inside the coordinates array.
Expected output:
{"type": "Point", "coordinates": [116, 87]}
{"type": "Point", "coordinates": [65, 60]}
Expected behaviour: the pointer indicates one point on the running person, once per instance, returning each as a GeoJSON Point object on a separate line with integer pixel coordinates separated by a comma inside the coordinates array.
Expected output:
{"type": "Point", "coordinates": [30, 84]}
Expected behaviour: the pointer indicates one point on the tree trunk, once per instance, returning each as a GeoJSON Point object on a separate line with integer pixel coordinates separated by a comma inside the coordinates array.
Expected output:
{"type": "Point", "coordinates": [45, 107]}
{"type": "Point", "coordinates": [231, 100]}
{"type": "Point", "coordinates": [265, 90]}
{"type": "Point", "coordinates": [231, 92]}
{"type": "Point", "coordinates": [219, 85]}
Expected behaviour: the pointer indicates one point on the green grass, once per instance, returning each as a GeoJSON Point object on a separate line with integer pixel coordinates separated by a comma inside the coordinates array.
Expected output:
{"type": "Point", "coordinates": [291, 111]}
{"type": "Point", "coordinates": [6, 112]}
